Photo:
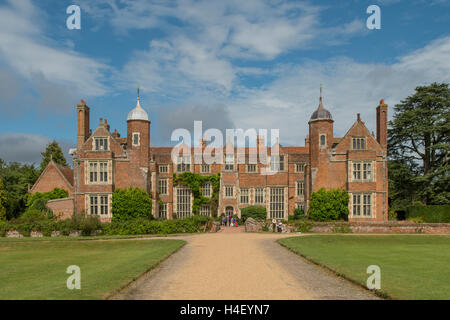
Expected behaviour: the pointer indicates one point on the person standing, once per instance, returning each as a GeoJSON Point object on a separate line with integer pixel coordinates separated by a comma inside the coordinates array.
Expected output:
{"type": "Point", "coordinates": [274, 225]}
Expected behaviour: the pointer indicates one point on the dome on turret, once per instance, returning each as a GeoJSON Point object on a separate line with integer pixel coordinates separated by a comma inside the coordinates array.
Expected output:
{"type": "Point", "coordinates": [321, 113]}
{"type": "Point", "coordinates": [138, 113]}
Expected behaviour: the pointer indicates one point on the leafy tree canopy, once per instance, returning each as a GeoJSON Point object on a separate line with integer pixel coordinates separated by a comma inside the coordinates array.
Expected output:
{"type": "Point", "coordinates": [16, 179]}
{"type": "Point", "coordinates": [53, 151]}
{"type": "Point", "coordinates": [2, 201]}
{"type": "Point", "coordinates": [419, 145]}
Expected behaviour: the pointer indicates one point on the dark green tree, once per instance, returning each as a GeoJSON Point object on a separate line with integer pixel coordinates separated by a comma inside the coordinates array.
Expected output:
{"type": "Point", "coordinates": [17, 178]}
{"type": "Point", "coordinates": [419, 137]}
{"type": "Point", "coordinates": [131, 203]}
{"type": "Point", "coordinates": [2, 201]}
{"type": "Point", "coordinates": [328, 205]}
{"type": "Point", "coordinates": [53, 151]}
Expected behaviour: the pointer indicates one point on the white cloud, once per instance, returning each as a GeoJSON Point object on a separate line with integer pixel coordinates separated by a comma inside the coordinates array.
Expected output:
{"type": "Point", "coordinates": [350, 87]}
{"type": "Point", "coordinates": [34, 58]}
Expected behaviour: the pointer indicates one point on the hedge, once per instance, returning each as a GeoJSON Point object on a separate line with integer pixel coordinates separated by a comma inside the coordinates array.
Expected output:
{"type": "Point", "coordinates": [88, 224]}
{"type": "Point", "coordinates": [255, 212]}
{"type": "Point", "coordinates": [437, 214]}
{"type": "Point", "coordinates": [144, 226]}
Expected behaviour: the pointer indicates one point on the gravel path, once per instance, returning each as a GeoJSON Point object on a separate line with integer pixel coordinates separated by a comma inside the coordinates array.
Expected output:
{"type": "Point", "coordinates": [235, 265]}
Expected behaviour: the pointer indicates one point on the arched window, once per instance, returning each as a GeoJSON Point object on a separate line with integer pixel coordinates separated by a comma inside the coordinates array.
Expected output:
{"type": "Point", "coordinates": [322, 140]}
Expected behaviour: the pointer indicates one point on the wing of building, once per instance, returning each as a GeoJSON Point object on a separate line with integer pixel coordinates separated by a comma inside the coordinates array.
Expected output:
{"type": "Point", "coordinates": [105, 161]}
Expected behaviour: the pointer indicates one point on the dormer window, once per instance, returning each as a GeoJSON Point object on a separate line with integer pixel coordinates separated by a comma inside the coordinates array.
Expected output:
{"type": "Point", "coordinates": [277, 163]}
{"type": "Point", "coordinates": [359, 143]}
{"type": "Point", "coordinates": [101, 144]}
{"type": "Point", "coordinates": [136, 139]}
{"type": "Point", "coordinates": [229, 162]}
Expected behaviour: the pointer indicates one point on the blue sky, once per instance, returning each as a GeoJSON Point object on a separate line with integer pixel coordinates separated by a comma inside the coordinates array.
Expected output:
{"type": "Point", "coordinates": [233, 64]}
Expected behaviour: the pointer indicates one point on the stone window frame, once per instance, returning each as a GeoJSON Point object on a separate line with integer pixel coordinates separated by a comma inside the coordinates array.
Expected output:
{"type": "Point", "coordinates": [99, 204]}
{"type": "Point", "coordinates": [253, 166]}
{"type": "Point", "coordinates": [300, 167]}
{"type": "Point", "coordinates": [203, 166]}
{"type": "Point", "coordinates": [300, 205]}
{"type": "Point", "coordinates": [206, 191]}
{"type": "Point", "coordinates": [165, 170]}
{"type": "Point", "coordinates": [183, 163]}
{"type": "Point", "coordinates": [138, 138]}
{"type": "Point", "coordinates": [184, 208]}
{"type": "Point", "coordinates": [98, 173]}
{"type": "Point", "coordinates": [100, 138]}
{"type": "Point", "coordinates": [228, 166]}
{"type": "Point", "coordinates": [282, 160]}
{"type": "Point", "coordinates": [300, 191]}
{"type": "Point", "coordinates": [163, 184]}
{"type": "Point", "coordinates": [244, 195]}
{"type": "Point", "coordinates": [277, 206]}
{"type": "Point", "coordinates": [362, 163]}
{"type": "Point", "coordinates": [362, 142]}
{"type": "Point", "coordinates": [258, 196]}
{"type": "Point", "coordinates": [205, 210]}
{"type": "Point", "coordinates": [228, 194]}
{"type": "Point", "coordinates": [324, 144]}
{"type": "Point", "coordinates": [163, 210]}
{"type": "Point", "coordinates": [364, 204]}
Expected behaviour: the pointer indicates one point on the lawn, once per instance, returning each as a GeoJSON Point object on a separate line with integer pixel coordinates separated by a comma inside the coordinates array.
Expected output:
{"type": "Point", "coordinates": [412, 266]}
{"type": "Point", "coordinates": [37, 269]}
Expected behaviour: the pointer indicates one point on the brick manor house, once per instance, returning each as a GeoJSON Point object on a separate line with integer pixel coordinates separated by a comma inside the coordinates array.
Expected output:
{"type": "Point", "coordinates": [104, 161]}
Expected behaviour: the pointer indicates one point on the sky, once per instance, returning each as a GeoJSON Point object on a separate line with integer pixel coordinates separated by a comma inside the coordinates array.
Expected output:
{"type": "Point", "coordinates": [232, 64]}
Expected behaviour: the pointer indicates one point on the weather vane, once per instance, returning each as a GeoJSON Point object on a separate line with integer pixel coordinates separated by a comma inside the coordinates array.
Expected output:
{"type": "Point", "coordinates": [138, 89]}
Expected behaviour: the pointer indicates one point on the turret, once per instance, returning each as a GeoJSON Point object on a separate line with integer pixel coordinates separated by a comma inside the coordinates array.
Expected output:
{"type": "Point", "coordinates": [138, 135]}
{"type": "Point", "coordinates": [320, 140]}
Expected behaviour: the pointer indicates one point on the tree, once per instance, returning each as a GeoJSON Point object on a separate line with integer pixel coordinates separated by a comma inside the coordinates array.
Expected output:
{"type": "Point", "coordinates": [16, 179]}
{"type": "Point", "coordinates": [131, 203]}
{"type": "Point", "coordinates": [329, 205]}
{"type": "Point", "coordinates": [53, 152]}
{"type": "Point", "coordinates": [419, 136]}
{"type": "Point", "coordinates": [2, 201]}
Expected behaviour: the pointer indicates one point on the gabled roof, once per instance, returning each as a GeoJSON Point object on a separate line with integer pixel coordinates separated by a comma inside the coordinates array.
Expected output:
{"type": "Point", "coordinates": [65, 173]}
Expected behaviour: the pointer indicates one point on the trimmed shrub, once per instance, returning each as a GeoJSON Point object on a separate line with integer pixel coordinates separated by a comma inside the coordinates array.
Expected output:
{"type": "Point", "coordinates": [144, 226]}
{"type": "Point", "coordinates": [329, 205]}
{"type": "Point", "coordinates": [437, 214]}
{"type": "Point", "coordinates": [131, 203]}
{"type": "Point", "coordinates": [255, 212]}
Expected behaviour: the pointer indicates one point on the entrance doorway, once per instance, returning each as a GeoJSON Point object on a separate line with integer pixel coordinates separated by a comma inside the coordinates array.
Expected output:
{"type": "Point", "coordinates": [229, 211]}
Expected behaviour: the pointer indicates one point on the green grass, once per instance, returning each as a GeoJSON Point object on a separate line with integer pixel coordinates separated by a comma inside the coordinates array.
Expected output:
{"type": "Point", "coordinates": [37, 269]}
{"type": "Point", "coordinates": [412, 266]}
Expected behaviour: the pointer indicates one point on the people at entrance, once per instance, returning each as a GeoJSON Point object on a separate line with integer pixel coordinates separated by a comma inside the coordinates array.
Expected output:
{"type": "Point", "coordinates": [229, 220]}
{"type": "Point", "coordinates": [279, 226]}
{"type": "Point", "coordinates": [234, 222]}
{"type": "Point", "coordinates": [224, 220]}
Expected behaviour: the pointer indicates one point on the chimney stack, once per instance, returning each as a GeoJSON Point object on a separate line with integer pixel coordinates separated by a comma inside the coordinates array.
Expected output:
{"type": "Point", "coordinates": [83, 130]}
{"type": "Point", "coordinates": [382, 124]}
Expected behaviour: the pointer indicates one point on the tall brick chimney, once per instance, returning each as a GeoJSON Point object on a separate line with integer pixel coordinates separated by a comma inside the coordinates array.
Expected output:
{"type": "Point", "coordinates": [382, 124]}
{"type": "Point", "coordinates": [82, 123]}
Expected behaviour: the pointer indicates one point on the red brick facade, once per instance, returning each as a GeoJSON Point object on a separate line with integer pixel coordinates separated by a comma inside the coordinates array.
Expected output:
{"type": "Point", "coordinates": [104, 161]}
